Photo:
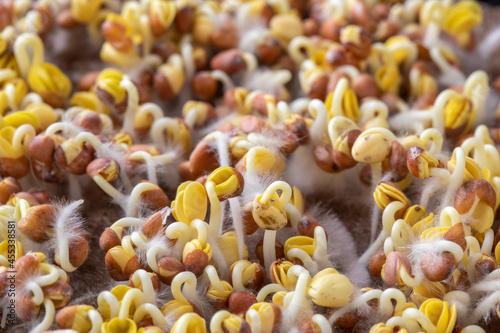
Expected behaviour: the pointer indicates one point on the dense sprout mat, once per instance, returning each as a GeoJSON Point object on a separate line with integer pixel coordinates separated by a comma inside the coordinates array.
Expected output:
{"type": "Point", "coordinates": [249, 166]}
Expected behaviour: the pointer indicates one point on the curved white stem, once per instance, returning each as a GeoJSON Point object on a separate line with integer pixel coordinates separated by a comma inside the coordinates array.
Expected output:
{"type": "Point", "coordinates": [187, 278]}
{"type": "Point", "coordinates": [48, 319]}
{"type": "Point", "coordinates": [131, 296]}
{"type": "Point", "coordinates": [106, 298]}
{"type": "Point", "coordinates": [132, 104]}
{"type": "Point", "coordinates": [23, 59]}
{"type": "Point", "coordinates": [142, 277]}
{"type": "Point", "coordinates": [150, 310]}
{"type": "Point", "coordinates": [318, 110]}
{"type": "Point", "coordinates": [181, 232]}
{"type": "Point", "coordinates": [134, 200]}
{"type": "Point", "coordinates": [146, 157]}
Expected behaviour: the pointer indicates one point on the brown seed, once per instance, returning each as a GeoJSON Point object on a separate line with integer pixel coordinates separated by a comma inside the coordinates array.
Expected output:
{"type": "Point", "coordinates": [360, 47]}
{"type": "Point", "coordinates": [74, 158]}
{"type": "Point", "coordinates": [168, 268]}
{"type": "Point", "coordinates": [456, 235]}
{"type": "Point", "coordinates": [164, 49]}
{"type": "Point", "coordinates": [66, 20]}
{"type": "Point", "coordinates": [286, 62]}
{"type": "Point", "coordinates": [60, 293]}
{"type": "Point", "coordinates": [26, 309]}
{"type": "Point", "coordinates": [104, 167]}
{"type": "Point", "coordinates": [239, 302]}
{"type": "Point", "coordinates": [115, 34]}
{"type": "Point", "coordinates": [249, 224]}
{"type": "Point", "coordinates": [14, 198]}
{"type": "Point", "coordinates": [14, 167]}
{"type": "Point", "coordinates": [318, 88]}
{"type": "Point", "coordinates": [467, 193]}
{"type": "Point", "coordinates": [163, 86]}
{"type": "Point", "coordinates": [397, 159]}
{"type": "Point", "coordinates": [229, 61]}
{"type": "Point", "coordinates": [184, 18]}
{"type": "Point", "coordinates": [42, 149]}
{"type": "Point", "coordinates": [310, 26]}
{"type": "Point", "coordinates": [37, 222]}
{"type": "Point", "coordinates": [201, 58]}
{"type": "Point", "coordinates": [342, 158]}
{"type": "Point", "coordinates": [330, 29]}
{"type": "Point", "coordinates": [78, 250]}
{"type": "Point", "coordinates": [225, 37]}
{"type": "Point", "coordinates": [154, 224]}
{"type": "Point", "coordinates": [324, 158]}
{"type": "Point", "coordinates": [485, 265]}
{"type": "Point", "coordinates": [347, 321]}
{"type": "Point", "coordinates": [203, 159]}
{"type": "Point", "coordinates": [438, 267]}
{"type": "Point", "coordinates": [196, 261]}
{"type": "Point", "coordinates": [66, 317]}
{"type": "Point", "coordinates": [306, 226]}
{"type": "Point", "coordinates": [365, 86]}
{"type": "Point", "coordinates": [394, 262]}
{"type": "Point", "coordinates": [121, 264]}
{"type": "Point", "coordinates": [360, 14]}
{"type": "Point", "coordinates": [42, 196]}
{"type": "Point", "coordinates": [154, 199]}
{"type": "Point", "coordinates": [204, 86]}
{"type": "Point", "coordinates": [381, 11]}
{"type": "Point", "coordinates": [110, 239]}
{"type": "Point", "coordinates": [8, 186]}
{"type": "Point", "coordinates": [90, 121]}
{"type": "Point", "coordinates": [376, 264]}
{"type": "Point", "coordinates": [339, 56]}
{"type": "Point", "coordinates": [269, 50]}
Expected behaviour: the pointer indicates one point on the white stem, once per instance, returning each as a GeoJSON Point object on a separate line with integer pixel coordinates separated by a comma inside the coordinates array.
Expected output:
{"type": "Point", "coordinates": [299, 296]}
{"type": "Point", "coordinates": [132, 296]}
{"type": "Point", "coordinates": [150, 310]}
{"type": "Point", "coordinates": [134, 200]}
{"type": "Point", "coordinates": [48, 319]}
{"type": "Point", "coordinates": [318, 110]}
{"type": "Point", "coordinates": [223, 78]}
{"type": "Point", "coordinates": [181, 232]}
{"type": "Point", "coordinates": [187, 278]}
{"type": "Point", "coordinates": [24, 62]}
{"type": "Point", "coordinates": [322, 323]}
{"type": "Point", "coordinates": [222, 147]}
{"type": "Point", "coordinates": [96, 320]}
{"type": "Point", "coordinates": [269, 248]}
{"type": "Point", "coordinates": [106, 298]}
{"type": "Point", "coordinates": [294, 214]}
{"type": "Point", "coordinates": [286, 192]}
{"type": "Point", "coordinates": [142, 277]}
{"type": "Point", "coordinates": [126, 222]}
{"type": "Point", "coordinates": [132, 104]}
{"type": "Point", "coordinates": [214, 278]}
{"type": "Point", "coordinates": [215, 210]}
{"type": "Point", "coordinates": [237, 275]}
{"type": "Point", "coordinates": [253, 318]}
{"type": "Point", "coordinates": [236, 214]}
{"type": "Point", "coordinates": [217, 319]}
{"type": "Point", "coordinates": [146, 157]}
{"type": "Point", "coordinates": [111, 191]}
